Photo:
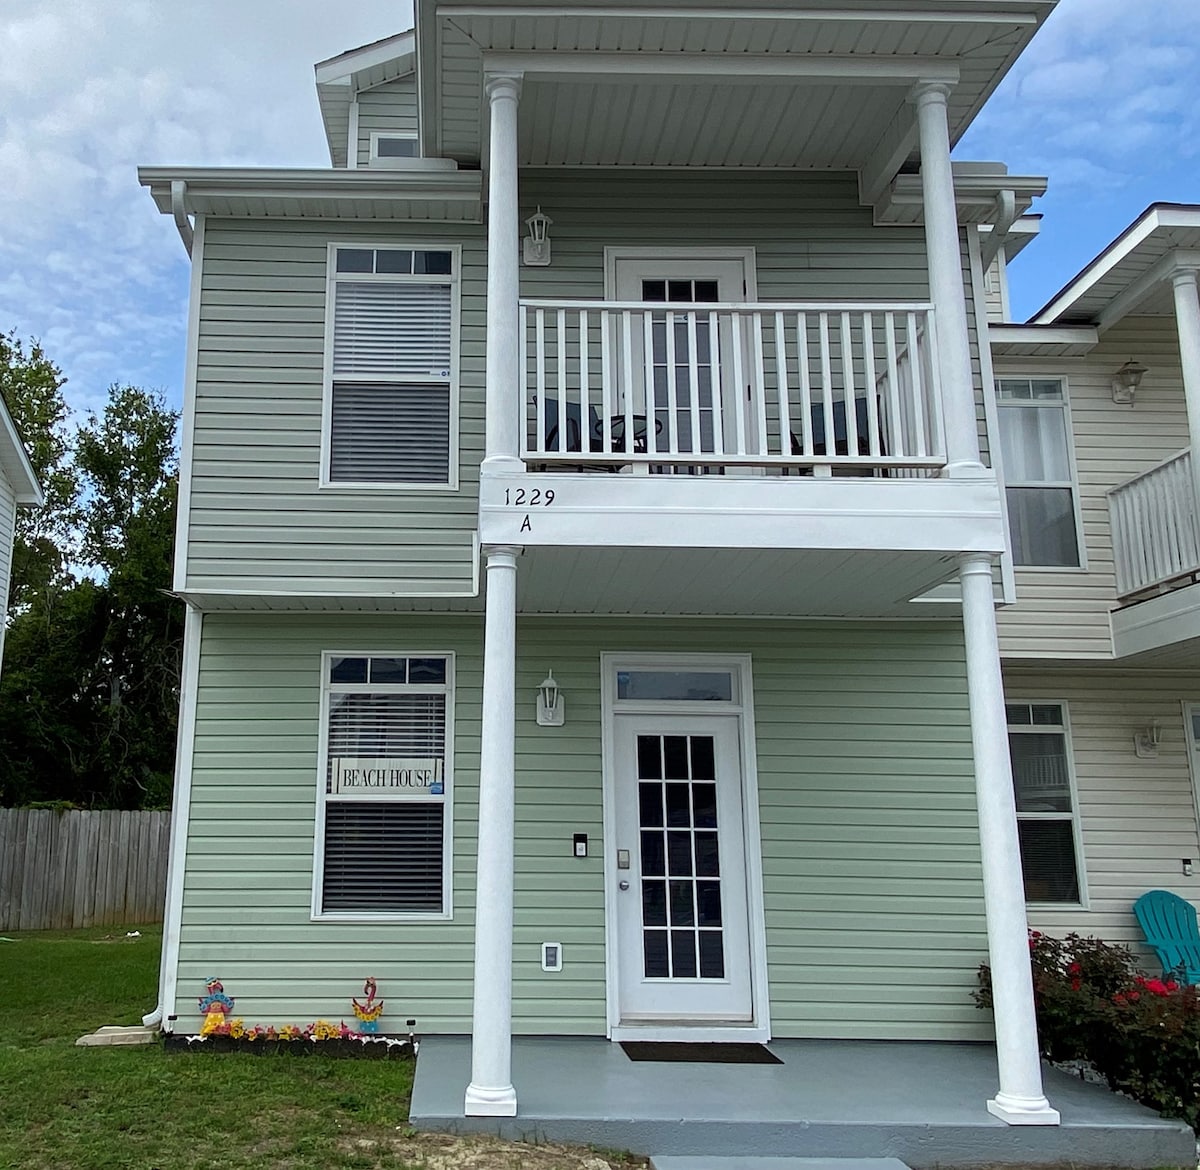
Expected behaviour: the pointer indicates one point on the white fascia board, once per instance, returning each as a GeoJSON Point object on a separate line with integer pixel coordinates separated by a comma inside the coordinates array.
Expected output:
{"type": "Point", "coordinates": [1015, 340]}
{"type": "Point", "coordinates": [1156, 218]}
{"type": "Point", "coordinates": [345, 65]}
{"type": "Point", "coordinates": [16, 463]}
{"type": "Point", "coordinates": [975, 195]}
{"type": "Point", "coordinates": [1157, 623]}
{"type": "Point", "coordinates": [1022, 12]}
{"type": "Point", "coordinates": [429, 66]}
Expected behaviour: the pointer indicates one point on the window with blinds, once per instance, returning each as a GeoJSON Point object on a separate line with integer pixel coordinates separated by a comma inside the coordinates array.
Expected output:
{"type": "Point", "coordinates": [384, 821]}
{"type": "Point", "coordinates": [390, 412]}
{"type": "Point", "coordinates": [1046, 812]}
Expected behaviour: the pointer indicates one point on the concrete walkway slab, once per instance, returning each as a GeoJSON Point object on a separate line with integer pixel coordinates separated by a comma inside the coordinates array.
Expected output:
{"type": "Point", "coordinates": [703, 1162]}
{"type": "Point", "coordinates": [924, 1103]}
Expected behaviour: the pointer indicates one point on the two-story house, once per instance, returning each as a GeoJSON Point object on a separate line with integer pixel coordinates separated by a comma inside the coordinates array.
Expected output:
{"type": "Point", "coordinates": [591, 538]}
{"type": "Point", "coordinates": [1098, 399]}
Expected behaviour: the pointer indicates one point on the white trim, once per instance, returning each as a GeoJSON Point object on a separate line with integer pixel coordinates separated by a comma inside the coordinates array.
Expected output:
{"type": "Point", "coordinates": [393, 48]}
{"type": "Point", "coordinates": [448, 689]}
{"type": "Point", "coordinates": [742, 666]}
{"type": "Point", "coordinates": [987, 380]}
{"type": "Point", "coordinates": [454, 282]}
{"type": "Point", "coordinates": [373, 157]}
{"type": "Point", "coordinates": [187, 444]}
{"type": "Point", "coordinates": [1193, 746]}
{"type": "Point", "coordinates": [181, 807]}
{"type": "Point", "coordinates": [352, 135]}
{"type": "Point", "coordinates": [1069, 429]}
{"type": "Point", "coordinates": [1076, 816]}
{"type": "Point", "coordinates": [29, 492]}
{"type": "Point", "coordinates": [616, 253]}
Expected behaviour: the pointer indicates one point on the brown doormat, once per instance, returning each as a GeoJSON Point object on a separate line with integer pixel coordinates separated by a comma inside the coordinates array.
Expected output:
{"type": "Point", "coordinates": [688, 1053]}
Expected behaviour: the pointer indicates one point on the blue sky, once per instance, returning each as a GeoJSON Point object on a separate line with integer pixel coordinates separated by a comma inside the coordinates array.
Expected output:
{"type": "Point", "coordinates": [1106, 102]}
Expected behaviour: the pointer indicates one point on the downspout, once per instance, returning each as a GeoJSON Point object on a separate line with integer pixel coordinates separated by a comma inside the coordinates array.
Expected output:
{"type": "Point", "coordinates": [1006, 216]}
{"type": "Point", "coordinates": [178, 195]}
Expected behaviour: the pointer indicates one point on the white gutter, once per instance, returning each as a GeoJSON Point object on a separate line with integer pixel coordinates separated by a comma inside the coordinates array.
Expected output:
{"type": "Point", "coordinates": [1006, 216]}
{"type": "Point", "coordinates": [179, 211]}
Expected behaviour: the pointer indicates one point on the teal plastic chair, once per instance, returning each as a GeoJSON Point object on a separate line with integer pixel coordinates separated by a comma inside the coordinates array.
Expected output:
{"type": "Point", "coordinates": [1169, 924]}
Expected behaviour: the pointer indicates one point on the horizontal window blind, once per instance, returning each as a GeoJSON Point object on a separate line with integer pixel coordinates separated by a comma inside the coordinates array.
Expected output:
{"type": "Point", "coordinates": [391, 329]}
{"type": "Point", "coordinates": [390, 433]}
{"type": "Point", "coordinates": [383, 857]}
{"type": "Point", "coordinates": [381, 726]}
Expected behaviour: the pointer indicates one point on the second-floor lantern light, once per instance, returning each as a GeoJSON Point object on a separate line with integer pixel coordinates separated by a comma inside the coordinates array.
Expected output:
{"type": "Point", "coordinates": [1126, 381]}
{"type": "Point", "coordinates": [537, 243]}
{"type": "Point", "coordinates": [550, 706]}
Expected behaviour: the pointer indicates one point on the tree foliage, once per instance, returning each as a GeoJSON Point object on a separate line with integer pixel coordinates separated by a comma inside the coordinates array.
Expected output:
{"type": "Point", "coordinates": [90, 681]}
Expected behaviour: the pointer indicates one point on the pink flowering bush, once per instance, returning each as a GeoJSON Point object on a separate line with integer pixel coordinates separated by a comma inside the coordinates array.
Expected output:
{"type": "Point", "coordinates": [1093, 1004]}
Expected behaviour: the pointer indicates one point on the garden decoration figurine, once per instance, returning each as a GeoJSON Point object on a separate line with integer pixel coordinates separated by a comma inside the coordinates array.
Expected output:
{"type": "Point", "coordinates": [216, 1005]}
{"type": "Point", "coordinates": [368, 1013]}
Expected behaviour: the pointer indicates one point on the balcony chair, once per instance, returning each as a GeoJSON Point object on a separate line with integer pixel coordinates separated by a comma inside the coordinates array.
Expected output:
{"type": "Point", "coordinates": [1169, 924]}
{"type": "Point", "coordinates": [841, 441]}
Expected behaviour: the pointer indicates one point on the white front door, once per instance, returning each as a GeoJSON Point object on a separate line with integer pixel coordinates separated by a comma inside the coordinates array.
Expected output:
{"type": "Point", "coordinates": [683, 945]}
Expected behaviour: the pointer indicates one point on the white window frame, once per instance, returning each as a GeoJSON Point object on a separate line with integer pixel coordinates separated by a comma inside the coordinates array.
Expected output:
{"type": "Point", "coordinates": [1191, 707]}
{"type": "Point", "coordinates": [1072, 484]}
{"type": "Point", "coordinates": [447, 800]}
{"type": "Point", "coordinates": [373, 157]}
{"type": "Point", "coordinates": [455, 283]}
{"type": "Point", "coordinates": [1076, 821]}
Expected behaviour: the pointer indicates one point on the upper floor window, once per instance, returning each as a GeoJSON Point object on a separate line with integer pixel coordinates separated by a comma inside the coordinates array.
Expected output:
{"type": "Point", "coordinates": [1035, 442]}
{"type": "Point", "coordinates": [386, 147]}
{"type": "Point", "coordinates": [389, 413]}
{"type": "Point", "coordinates": [1047, 822]}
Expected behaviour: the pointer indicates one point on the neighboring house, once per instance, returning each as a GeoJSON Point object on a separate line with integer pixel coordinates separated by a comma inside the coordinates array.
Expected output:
{"type": "Point", "coordinates": [18, 488]}
{"type": "Point", "coordinates": [1102, 648]}
{"type": "Point", "coordinates": [692, 447]}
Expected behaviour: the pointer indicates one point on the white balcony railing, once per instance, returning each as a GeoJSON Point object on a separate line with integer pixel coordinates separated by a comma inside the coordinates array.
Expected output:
{"type": "Point", "coordinates": [849, 387]}
{"type": "Point", "coordinates": [1155, 526]}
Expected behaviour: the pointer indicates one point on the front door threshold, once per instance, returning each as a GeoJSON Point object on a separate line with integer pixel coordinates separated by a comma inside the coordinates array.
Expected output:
{"type": "Point", "coordinates": [670, 1032]}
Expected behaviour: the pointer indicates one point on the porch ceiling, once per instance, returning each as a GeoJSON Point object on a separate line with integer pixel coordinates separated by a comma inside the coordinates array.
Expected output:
{"type": "Point", "coordinates": [747, 102]}
{"type": "Point", "coordinates": [746, 582]}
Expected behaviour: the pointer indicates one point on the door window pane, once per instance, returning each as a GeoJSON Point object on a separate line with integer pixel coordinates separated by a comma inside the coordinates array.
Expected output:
{"type": "Point", "coordinates": [696, 686]}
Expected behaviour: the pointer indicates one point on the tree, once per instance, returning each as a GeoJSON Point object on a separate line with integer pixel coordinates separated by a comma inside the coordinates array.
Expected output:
{"type": "Point", "coordinates": [89, 690]}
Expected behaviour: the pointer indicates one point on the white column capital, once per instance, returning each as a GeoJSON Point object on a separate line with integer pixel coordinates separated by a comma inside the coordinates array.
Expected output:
{"type": "Point", "coordinates": [502, 555]}
{"type": "Point", "coordinates": [925, 93]}
{"type": "Point", "coordinates": [501, 86]}
{"type": "Point", "coordinates": [975, 564]}
{"type": "Point", "coordinates": [1182, 277]}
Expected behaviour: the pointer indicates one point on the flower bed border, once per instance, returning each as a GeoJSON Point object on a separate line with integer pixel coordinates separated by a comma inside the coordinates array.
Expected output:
{"type": "Point", "coordinates": [350, 1048]}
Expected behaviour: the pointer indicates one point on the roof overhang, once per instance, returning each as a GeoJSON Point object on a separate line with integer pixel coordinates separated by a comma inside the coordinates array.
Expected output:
{"type": "Point", "coordinates": [429, 190]}
{"type": "Point", "coordinates": [788, 83]}
{"type": "Point", "coordinates": [984, 193]}
{"type": "Point", "coordinates": [14, 462]}
{"type": "Point", "coordinates": [1131, 275]}
{"type": "Point", "coordinates": [1041, 341]}
{"type": "Point", "coordinates": [342, 78]}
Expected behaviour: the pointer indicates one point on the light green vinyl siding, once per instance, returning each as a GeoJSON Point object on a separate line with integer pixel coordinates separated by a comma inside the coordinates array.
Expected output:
{"type": "Point", "coordinates": [258, 520]}
{"type": "Point", "coordinates": [870, 843]}
{"type": "Point", "coordinates": [390, 109]}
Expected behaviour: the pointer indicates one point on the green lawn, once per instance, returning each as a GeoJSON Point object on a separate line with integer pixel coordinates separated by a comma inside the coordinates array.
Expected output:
{"type": "Point", "coordinates": [63, 1107]}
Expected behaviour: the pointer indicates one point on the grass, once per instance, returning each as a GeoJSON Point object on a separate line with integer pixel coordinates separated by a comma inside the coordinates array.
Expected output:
{"type": "Point", "coordinates": [64, 1107]}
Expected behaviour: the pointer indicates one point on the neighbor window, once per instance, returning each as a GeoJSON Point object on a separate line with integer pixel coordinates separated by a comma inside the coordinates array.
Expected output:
{"type": "Point", "coordinates": [385, 147]}
{"type": "Point", "coordinates": [390, 412]}
{"type": "Point", "coordinates": [384, 824]}
{"type": "Point", "coordinates": [1035, 444]}
{"type": "Point", "coordinates": [1046, 813]}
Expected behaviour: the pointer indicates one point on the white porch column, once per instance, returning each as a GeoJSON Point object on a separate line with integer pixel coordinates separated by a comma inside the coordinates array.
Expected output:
{"type": "Point", "coordinates": [491, 1092]}
{"type": "Point", "coordinates": [1187, 322]}
{"type": "Point", "coordinates": [1020, 1100]}
{"type": "Point", "coordinates": [946, 282]}
{"type": "Point", "coordinates": [503, 278]}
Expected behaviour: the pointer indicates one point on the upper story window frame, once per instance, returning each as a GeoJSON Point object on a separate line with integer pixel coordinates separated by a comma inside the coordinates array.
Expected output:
{"type": "Point", "coordinates": [1063, 405]}
{"type": "Point", "coordinates": [375, 159]}
{"type": "Point", "coordinates": [454, 281]}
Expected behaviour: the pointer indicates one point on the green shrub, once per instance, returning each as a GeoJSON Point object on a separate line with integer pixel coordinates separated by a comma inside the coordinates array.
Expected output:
{"type": "Point", "coordinates": [1093, 1004]}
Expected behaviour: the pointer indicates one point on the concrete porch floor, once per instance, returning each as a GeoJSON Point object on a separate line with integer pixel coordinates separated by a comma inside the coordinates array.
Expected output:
{"type": "Point", "coordinates": [923, 1103]}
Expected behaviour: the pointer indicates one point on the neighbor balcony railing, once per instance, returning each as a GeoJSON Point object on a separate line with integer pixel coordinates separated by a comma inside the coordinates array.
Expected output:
{"type": "Point", "coordinates": [1155, 526]}
{"type": "Point", "coordinates": [832, 387]}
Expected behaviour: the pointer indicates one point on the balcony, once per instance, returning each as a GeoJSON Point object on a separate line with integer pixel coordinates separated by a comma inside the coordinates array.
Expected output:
{"type": "Point", "coordinates": [778, 458]}
{"type": "Point", "coordinates": [653, 388]}
{"type": "Point", "coordinates": [1156, 551]}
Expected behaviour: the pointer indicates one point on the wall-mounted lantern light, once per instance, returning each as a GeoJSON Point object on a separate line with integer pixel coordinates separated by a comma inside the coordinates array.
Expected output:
{"type": "Point", "coordinates": [537, 243]}
{"type": "Point", "coordinates": [550, 705]}
{"type": "Point", "coordinates": [1126, 381]}
{"type": "Point", "coordinates": [1146, 740]}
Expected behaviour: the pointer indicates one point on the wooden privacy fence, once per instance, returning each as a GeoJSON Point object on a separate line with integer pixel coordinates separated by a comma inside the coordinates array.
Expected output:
{"type": "Point", "coordinates": [60, 870]}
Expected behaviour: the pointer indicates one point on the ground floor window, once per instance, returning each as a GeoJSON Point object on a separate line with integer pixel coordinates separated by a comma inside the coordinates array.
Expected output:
{"type": "Point", "coordinates": [1039, 742]}
{"type": "Point", "coordinates": [383, 828]}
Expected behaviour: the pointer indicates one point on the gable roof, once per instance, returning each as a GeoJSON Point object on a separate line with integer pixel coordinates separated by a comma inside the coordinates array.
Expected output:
{"type": "Point", "coordinates": [1130, 273]}
{"type": "Point", "coordinates": [14, 462]}
{"type": "Point", "coordinates": [342, 78]}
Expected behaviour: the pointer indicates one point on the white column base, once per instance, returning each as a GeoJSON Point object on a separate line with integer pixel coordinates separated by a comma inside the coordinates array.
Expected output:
{"type": "Point", "coordinates": [967, 469]}
{"type": "Point", "coordinates": [483, 1102]}
{"type": "Point", "coordinates": [502, 464]}
{"type": "Point", "coordinates": [1023, 1110]}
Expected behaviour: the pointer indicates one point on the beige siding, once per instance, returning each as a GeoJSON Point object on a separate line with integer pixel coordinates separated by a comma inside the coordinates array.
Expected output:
{"type": "Point", "coordinates": [389, 109]}
{"type": "Point", "coordinates": [869, 834]}
{"type": "Point", "coordinates": [995, 289]}
{"type": "Point", "coordinates": [1064, 614]}
{"type": "Point", "coordinates": [1138, 817]}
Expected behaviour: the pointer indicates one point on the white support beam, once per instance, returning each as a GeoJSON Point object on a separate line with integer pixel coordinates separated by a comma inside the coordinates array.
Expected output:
{"type": "Point", "coordinates": [1128, 300]}
{"type": "Point", "coordinates": [731, 68]}
{"type": "Point", "coordinates": [897, 142]}
{"type": "Point", "coordinates": [1020, 1100]}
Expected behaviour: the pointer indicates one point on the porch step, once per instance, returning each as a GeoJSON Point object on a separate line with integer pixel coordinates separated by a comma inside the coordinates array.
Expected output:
{"type": "Point", "coordinates": [704, 1162]}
